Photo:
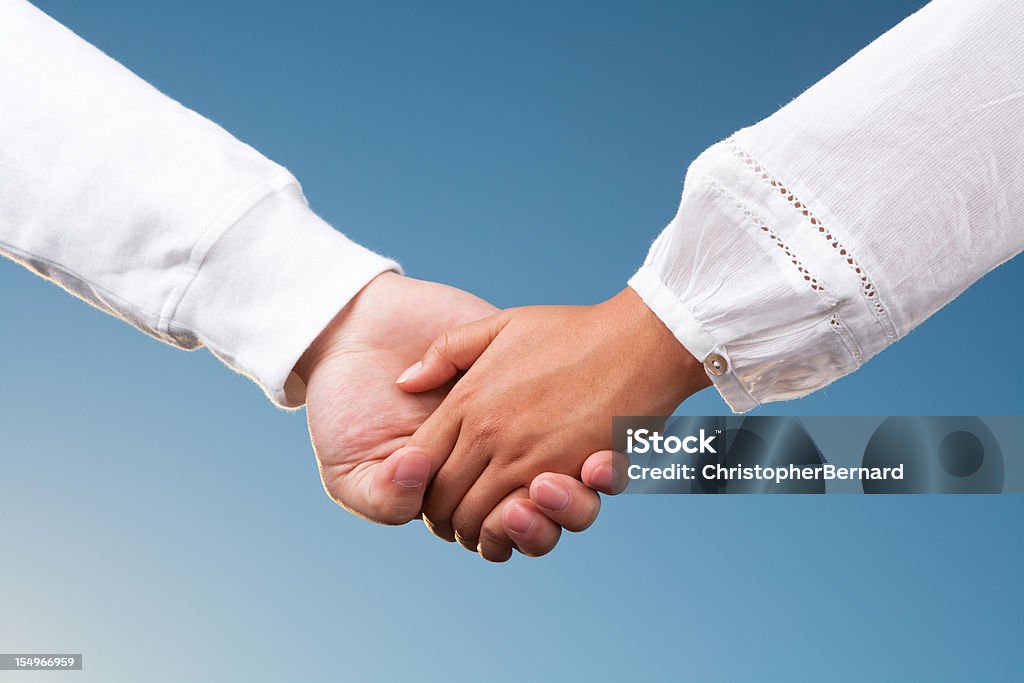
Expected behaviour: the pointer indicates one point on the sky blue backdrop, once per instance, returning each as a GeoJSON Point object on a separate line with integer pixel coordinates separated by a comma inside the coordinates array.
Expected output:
{"type": "Point", "coordinates": [159, 515]}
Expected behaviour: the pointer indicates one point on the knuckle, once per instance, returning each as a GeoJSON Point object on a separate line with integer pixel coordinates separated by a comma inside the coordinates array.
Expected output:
{"type": "Point", "coordinates": [491, 536]}
{"type": "Point", "coordinates": [489, 428]}
{"type": "Point", "coordinates": [464, 397]}
{"type": "Point", "coordinates": [446, 344]}
{"type": "Point", "coordinates": [516, 468]}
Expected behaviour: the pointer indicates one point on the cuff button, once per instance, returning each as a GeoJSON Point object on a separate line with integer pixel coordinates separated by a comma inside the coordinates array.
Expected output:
{"type": "Point", "coordinates": [716, 364]}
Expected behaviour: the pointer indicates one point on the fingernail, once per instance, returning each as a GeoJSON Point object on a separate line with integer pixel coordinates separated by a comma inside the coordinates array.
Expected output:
{"type": "Point", "coordinates": [603, 478]}
{"type": "Point", "coordinates": [551, 496]}
{"type": "Point", "coordinates": [412, 470]}
{"type": "Point", "coordinates": [519, 519]}
{"type": "Point", "coordinates": [409, 372]}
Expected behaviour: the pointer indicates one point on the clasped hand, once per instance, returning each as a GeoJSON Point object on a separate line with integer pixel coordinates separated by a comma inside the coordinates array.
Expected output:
{"type": "Point", "coordinates": [540, 388]}
{"type": "Point", "coordinates": [512, 451]}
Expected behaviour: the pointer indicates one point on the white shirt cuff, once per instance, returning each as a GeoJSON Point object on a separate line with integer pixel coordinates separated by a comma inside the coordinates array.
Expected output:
{"type": "Point", "coordinates": [750, 291]}
{"type": "Point", "coordinates": [269, 285]}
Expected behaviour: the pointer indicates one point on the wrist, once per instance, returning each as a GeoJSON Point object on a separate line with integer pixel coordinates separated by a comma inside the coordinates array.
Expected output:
{"type": "Point", "coordinates": [346, 323]}
{"type": "Point", "coordinates": [651, 353]}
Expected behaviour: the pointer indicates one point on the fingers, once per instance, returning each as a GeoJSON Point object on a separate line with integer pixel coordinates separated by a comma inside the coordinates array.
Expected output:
{"type": "Point", "coordinates": [388, 492]}
{"type": "Point", "coordinates": [605, 471]}
{"type": "Point", "coordinates": [453, 351]}
{"type": "Point", "coordinates": [565, 501]}
{"type": "Point", "coordinates": [438, 437]}
{"type": "Point", "coordinates": [516, 523]}
{"type": "Point", "coordinates": [495, 544]}
{"type": "Point", "coordinates": [533, 533]}
{"type": "Point", "coordinates": [532, 520]}
{"type": "Point", "coordinates": [484, 496]}
{"type": "Point", "coordinates": [534, 523]}
{"type": "Point", "coordinates": [450, 485]}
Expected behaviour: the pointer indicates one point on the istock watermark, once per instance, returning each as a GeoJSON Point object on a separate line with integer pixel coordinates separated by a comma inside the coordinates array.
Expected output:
{"type": "Point", "coordinates": [645, 440]}
{"type": "Point", "coordinates": [761, 454]}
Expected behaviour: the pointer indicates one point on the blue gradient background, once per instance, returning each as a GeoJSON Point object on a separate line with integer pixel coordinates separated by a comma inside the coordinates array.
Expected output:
{"type": "Point", "coordinates": [160, 516]}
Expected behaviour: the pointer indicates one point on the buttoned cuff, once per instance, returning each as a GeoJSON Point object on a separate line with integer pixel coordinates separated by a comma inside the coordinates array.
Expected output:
{"type": "Point", "coordinates": [749, 289]}
{"type": "Point", "coordinates": [701, 345]}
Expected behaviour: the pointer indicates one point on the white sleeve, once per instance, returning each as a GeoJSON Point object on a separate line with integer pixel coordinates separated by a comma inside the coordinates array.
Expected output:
{"type": "Point", "coordinates": [809, 242]}
{"type": "Point", "coordinates": [156, 215]}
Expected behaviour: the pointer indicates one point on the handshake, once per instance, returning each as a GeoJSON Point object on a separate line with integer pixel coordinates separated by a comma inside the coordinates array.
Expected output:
{"type": "Point", "coordinates": [494, 426]}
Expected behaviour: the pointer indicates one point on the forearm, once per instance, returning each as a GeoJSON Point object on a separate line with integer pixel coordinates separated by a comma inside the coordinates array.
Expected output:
{"type": "Point", "coordinates": [156, 215]}
{"type": "Point", "coordinates": [808, 243]}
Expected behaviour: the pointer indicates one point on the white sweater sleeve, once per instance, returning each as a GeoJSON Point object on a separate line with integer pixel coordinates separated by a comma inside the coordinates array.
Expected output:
{"type": "Point", "coordinates": [809, 242]}
{"type": "Point", "coordinates": [154, 214]}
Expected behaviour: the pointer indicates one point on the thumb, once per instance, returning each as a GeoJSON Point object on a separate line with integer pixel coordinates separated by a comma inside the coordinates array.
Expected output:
{"type": "Point", "coordinates": [396, 487]}
{"type": "Point", "coordinates": [452, 352]}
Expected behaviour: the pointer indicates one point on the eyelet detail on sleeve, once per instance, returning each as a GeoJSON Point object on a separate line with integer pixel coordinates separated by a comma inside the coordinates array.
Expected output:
{"type": "Point", "coordinates": [844, 334]}
{"type": "Point", "coordinates": [810, 280]}
{"type": "Point", "coordinates": [867, 287]}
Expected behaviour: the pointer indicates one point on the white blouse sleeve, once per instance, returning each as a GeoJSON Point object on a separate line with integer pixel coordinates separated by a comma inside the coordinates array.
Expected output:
{"type": "Point", "coordinates": [154, 214]}
{"type": "Point", "coordinates": [809, 242]}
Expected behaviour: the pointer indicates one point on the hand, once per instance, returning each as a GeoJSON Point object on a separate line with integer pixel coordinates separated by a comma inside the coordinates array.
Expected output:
{"type": "Point", "coordinates": [544, 385]}
{"type": "Point", "coordinates": [359, 421]}
{"type": "Point", "coordinates": [534, 524]}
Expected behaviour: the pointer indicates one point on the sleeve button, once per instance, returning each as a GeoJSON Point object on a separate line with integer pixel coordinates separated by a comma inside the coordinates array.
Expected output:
{"type": "Point", "coordinates": [716, 364]}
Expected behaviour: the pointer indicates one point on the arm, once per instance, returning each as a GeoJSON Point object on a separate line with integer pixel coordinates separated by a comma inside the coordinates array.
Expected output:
{"type": "Point", "coordinates": [158, 216]}
{"type": "Point", "coordinates": [802, 247]}
{"type": "Point", "coordinates": [809, 242]}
